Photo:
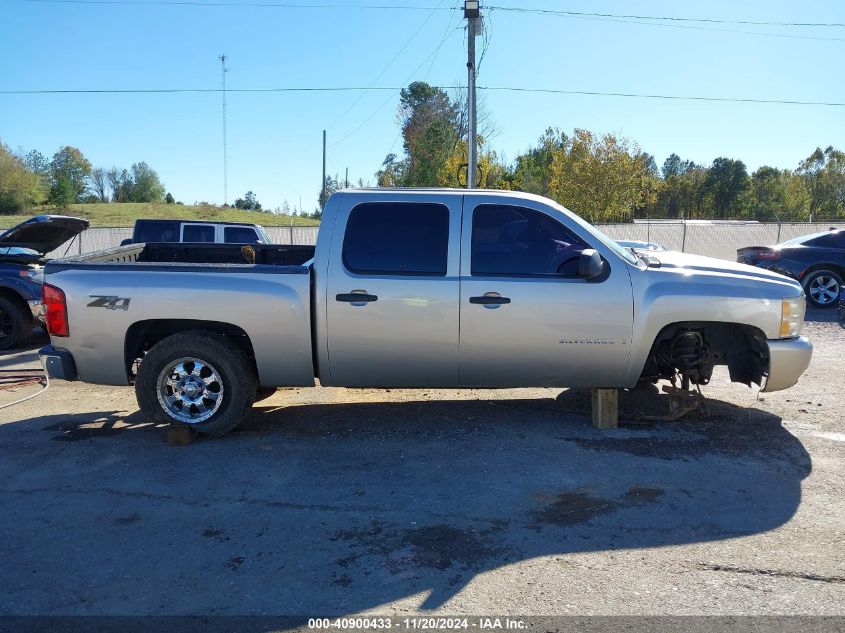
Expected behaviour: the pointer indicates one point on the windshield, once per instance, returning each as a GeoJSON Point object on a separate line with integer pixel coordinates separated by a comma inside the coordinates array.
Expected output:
{"type": "Point", "coordinates": [263, 237]}
{"type": "Point", "coordinates": [18, 250]}
{"type": "Point", "coordinates": [624, 253]}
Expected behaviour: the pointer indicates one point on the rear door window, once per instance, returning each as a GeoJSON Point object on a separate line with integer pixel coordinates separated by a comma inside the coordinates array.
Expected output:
{"type": "Point", "coordinates": [198, 233]}
{"type": "Point", "coordinates": [397, 238]}
{"type": "Point", "coordinates": [240, 235]}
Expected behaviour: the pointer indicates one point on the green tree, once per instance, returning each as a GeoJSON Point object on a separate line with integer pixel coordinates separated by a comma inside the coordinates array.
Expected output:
{"type": "Point", "coordinates": [431, 128]}
{"type": "Point", "coordinates": [248, 203]}
{"type": "Point", "coordinates": [169, 199]}
{"type": "Point", "coordinates": [20, 187]}
{"type": "Point", "coordinates": [823, 173]}
{"type": "Point", "coordinates": [145, 184]}
{"type": "Point", "coordinates": [333, 184]}
{"type": "Point", "coordinates": [726, 184]}
{"type": "Point", "coordinates": [533, 170]}
{"type": "Point", "coordinates": [37, 163]}
{"type": "Point", "coordinates": [69, 171]}
{"type": "Point", "coordinates": [603, 178]}
{"type": "Point", "coordinates": [778, 194]}
{"type": "Point", "coordinates": [676, 197]}
{"type": "Point", "coordinates": [393, 172]}
{"type": "Point", "coordinates": [120, 184]}
{"type": "Point", "coordinates": [99, 184]}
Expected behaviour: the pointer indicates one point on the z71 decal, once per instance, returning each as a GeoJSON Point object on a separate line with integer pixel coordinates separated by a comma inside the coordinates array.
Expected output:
{"type": "Point", "coordinates": [109, 302]}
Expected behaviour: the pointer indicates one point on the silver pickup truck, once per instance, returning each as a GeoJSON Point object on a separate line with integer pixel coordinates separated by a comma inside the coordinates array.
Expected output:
{"type": "Point", "coordinates": [413, 288]}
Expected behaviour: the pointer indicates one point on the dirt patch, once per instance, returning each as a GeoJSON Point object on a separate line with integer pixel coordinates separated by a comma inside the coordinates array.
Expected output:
{"type": "Point", "coordinates": [441, 546]}
{"type": "Point", "coordinates": [428, 547]}
{"type": "Point", "coordinates": [129, 520]}
{"type": "Point", "coordinates": [638, 494]}
{"type": "Point", "coordinates": [571, 508]}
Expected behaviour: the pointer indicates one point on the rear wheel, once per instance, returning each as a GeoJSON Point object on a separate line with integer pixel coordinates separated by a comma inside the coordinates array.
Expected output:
{"type": "Point", "coordinates": [15, 323]}
{"type": "Point", "coordinates": [822, 288]}
{"type": "Point", "coordinates": [199, 379]}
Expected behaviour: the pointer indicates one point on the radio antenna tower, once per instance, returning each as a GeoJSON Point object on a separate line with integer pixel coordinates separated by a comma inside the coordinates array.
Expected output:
{"type": "Point", "coordinates": [222, 59]}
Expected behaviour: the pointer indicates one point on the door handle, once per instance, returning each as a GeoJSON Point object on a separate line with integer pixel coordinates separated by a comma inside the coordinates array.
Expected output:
{"type": "Point", "coordinates": [490, 299]}
{"type": "Point", "coordinates": [356, 298]}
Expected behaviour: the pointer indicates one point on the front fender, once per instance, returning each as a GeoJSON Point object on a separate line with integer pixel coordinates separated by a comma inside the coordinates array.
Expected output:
{"type": "Point", "coordinates": [666, 297]}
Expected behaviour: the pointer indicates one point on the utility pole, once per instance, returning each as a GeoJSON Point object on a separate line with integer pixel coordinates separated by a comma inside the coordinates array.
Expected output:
{"type": "Point", "coordinates": [225, 160]}
{"type": "Point", "coordinates": [472, 12]}
{"type": "Point", "coordinates": [347, 178]}
{"type": "Point", "coordinates": [323, 197]}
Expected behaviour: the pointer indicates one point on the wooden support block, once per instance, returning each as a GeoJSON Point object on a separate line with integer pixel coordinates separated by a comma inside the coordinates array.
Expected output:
{"type": "Point", "coordinates": [180, 435]}
{"type": "Point", "coordinates": [605, 408]}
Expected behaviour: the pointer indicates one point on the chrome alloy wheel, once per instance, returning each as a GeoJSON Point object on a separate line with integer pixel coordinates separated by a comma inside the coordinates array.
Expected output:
{"type": "Point", "coordinates": [190, 390]}
{"type": "Point", "coordinates": [824, 290]}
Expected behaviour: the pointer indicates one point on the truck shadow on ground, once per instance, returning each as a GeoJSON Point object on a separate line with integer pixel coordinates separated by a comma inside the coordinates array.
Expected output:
{"type": "Point", "coordinates": [337, 508]}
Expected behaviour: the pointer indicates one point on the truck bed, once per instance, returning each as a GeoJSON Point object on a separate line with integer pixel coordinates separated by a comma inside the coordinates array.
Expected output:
{"type": "Point", "coordinates": [118, 298]}
{"type": "Point", "coordinates": [293, 256]}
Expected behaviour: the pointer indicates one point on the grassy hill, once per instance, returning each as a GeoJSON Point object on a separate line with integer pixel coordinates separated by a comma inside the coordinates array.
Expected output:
{"type": "Point", "coordinates": [125, 214]}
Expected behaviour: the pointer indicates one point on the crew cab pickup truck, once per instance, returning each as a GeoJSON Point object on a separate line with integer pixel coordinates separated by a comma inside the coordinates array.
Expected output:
{"type": "Point", "coordinates": [413, 288]}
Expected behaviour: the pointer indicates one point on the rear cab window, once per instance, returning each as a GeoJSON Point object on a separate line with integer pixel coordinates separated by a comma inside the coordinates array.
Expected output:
{"type": "Point", "coordinates": [397, 238]}
{"type": "Point", "coordinates": [240, 235]}
{"type": "Point", "coordinates": [198, 233]}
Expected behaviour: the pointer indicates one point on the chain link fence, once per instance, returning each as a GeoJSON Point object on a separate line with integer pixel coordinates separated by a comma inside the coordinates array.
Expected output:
{"type": "Point", "coordinates": [714, 239]}
{"type": "Point", "coordinates": [719, 239]}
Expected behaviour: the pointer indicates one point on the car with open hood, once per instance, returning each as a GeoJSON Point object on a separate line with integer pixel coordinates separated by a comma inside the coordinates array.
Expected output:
{"type": "Point", "coordinates": [23, 253]}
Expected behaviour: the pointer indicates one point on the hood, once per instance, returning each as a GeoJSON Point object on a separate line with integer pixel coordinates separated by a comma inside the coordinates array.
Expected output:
{"type": "Point", "coordinates": [698, 263]}
{"type": "Point", "coordinates": [43, 233]}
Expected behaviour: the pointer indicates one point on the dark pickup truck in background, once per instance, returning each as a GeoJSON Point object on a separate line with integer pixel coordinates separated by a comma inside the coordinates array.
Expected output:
{"type": "Point", "coordinates": [22, 256]}
{"type": "Point", "coordinates": [196, 231]}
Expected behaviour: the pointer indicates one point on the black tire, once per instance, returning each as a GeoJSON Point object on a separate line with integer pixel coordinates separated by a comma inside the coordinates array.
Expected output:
{"type": "Point", "coordinates": [15, 323]}
{"type": "Point", "coordinates": [236, 372]}
{"type": "Point", "coordinates": [831, 280]}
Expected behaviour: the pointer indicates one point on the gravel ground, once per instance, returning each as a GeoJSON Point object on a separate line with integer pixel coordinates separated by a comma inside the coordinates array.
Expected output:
{"type": "Point", "coordinates": [335, 501]}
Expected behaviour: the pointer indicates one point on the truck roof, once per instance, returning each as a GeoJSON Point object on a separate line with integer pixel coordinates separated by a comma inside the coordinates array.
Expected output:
{"type": "Point", "coordinates": [155, 220]}
{"type": "Point", "coordinates": [434, 191]}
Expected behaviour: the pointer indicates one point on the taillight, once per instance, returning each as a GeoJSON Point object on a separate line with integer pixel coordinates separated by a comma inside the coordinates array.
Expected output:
{"type": "Point", "coordinates": [55, 310]}
{"type": "Point", "coordinates": [768, 254]}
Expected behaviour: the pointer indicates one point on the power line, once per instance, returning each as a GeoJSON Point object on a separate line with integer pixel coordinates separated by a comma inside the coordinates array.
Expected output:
{"type": "Point", "coordinates": [273, 5]}
{"type": "Point", "coordinates": [406, 7]}
{"type": "Point", "coordinates": [389, 64]}
{"type": "Point", "coordinates": [593, 93]}
{"type": "Point", "coordinates": [384, 103]}
{"type": "Point", "coordinates": [197, 90]}
{"type": "Point", "coordinates": [559, 12]}
{"type": "Point", "coordinates": [662, 96]}
{"type": "Point", "coordinates": [601, 18]}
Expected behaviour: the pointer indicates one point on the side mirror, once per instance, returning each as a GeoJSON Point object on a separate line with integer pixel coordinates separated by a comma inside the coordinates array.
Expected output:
{"type": "Point", "coordinates": [590, 264]}
{"type": "Point", "coordinates": [126, 242]}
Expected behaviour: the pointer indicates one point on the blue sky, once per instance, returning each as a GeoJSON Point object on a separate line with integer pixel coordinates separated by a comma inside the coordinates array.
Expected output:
{"type": "Point", "coordinates": [275, 138]}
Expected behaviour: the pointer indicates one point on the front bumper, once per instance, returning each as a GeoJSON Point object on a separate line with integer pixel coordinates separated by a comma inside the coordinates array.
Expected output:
{"type": "Point", "coordinates": [58, 363]}
{"type": "Point", "coordinates": [37, 309]}
{"type": "Point", "coordinates": [788, 359]}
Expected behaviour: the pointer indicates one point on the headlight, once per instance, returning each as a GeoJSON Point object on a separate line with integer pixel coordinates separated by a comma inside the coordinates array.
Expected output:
{"type": "Point", "coordinates": [792, 317]}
